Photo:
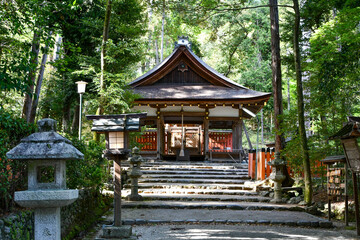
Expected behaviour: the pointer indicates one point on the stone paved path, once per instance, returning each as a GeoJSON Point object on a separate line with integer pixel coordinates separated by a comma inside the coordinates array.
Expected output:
{"type": "Point", "coordinates": [197, 201]}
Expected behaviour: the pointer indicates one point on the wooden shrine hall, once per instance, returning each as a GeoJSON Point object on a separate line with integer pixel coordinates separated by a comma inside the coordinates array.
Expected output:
{"type": "Point", "coordinates": [191, 106]}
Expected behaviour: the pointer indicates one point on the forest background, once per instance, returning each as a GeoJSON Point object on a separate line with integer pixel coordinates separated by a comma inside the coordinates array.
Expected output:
{"type": "Point", "coordinates": [47, 46]}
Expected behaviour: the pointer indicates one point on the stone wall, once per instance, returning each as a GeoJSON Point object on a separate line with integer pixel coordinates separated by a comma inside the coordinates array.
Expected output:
{"type": "Point", "coordinates": [17, 226]}
{"type": "Point", "coordinates": [75, 218]}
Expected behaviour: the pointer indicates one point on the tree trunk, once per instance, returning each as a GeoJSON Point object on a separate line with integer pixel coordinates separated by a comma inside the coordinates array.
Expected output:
{"type": "Point", "coordinates": [162, 32]}
{"type": "Point", "coordinates": [100, 109]}
{"type": "Point", "coordinates": [39, 83]}
{"type": "Point", "coordinates": [32, 74]}
{"type": "Point", "coordinates": [276, 73]}
{"type": "Point", "coordinates": [277, 84]}
{"type": "Point", "coordinates": [66, 114]}
{"type": "Point", "coordinates": [156, 52]}
{"type": "Point", "coordinates": [288, 93]}
{"type": "Point", "coordinates": [75, 122]}
{"type": "Point", "coordinates": [262, 126]}
{"type": "Point", "coordinates": [300, 105]}
{"type": "Point", "coordinates": [148, 60]}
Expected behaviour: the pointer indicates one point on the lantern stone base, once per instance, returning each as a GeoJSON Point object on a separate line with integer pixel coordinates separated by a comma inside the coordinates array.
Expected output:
{"type": "Point", "coordinates": [134, 198]}
{"type": "Point", "coordinates": [47, 223]}
{"type": "Point", "coordinates": [116, 232]}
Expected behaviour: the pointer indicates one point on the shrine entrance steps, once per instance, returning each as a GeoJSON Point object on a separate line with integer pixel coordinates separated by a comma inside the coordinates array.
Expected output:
{"type": "Point", "coordinates": [181, 192]}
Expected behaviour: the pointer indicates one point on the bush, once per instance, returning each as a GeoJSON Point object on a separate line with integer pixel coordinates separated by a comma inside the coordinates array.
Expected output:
{"type": "Point", "coordinates": [13, 173]}
{"type": "Point", "coordinates": [89, 172]}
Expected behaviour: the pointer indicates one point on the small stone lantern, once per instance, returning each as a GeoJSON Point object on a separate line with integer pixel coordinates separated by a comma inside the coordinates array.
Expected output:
{"type": "Point", "coordinates": [46, 152]}
{"type": "Point", "coordinates": [277, 177]}
{"type": "Point", "coordinates": [135, 173]}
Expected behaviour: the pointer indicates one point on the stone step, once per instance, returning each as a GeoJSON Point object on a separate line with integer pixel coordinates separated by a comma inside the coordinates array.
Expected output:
{"type": "Point", "coordinates": [192, 186]}
{"type": "Point", "coordinates": [190, 181]}
{"type": "Point", "coordinates": [203, 176]}
{"type": "Point", "coordinates": [193, 163]}
{"type": "Point", "coordinates": [213, 216]}
{"type": "Point", "coordinates": [198, 197]}
{"type": "Point", "coordinates": [212, 205]}
{"type": "Point", "coordinates": [184, 191]}
{"type": "Point", "coordinates": [187, 168]}
{"type": "Point", "coordinates": [195, 171]}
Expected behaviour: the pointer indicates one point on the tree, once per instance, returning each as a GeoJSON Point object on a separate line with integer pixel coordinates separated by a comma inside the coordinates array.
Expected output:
{"type": "Point", "coordinates": [300, 107]}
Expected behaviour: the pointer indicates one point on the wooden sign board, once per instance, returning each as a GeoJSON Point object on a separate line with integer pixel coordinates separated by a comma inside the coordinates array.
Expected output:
{"type": "Point", "coordinates": [352, 152]}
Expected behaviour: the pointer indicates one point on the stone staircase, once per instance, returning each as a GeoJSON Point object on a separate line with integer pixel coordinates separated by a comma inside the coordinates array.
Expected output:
{"type": "Point", "coordinates": [212, 187]}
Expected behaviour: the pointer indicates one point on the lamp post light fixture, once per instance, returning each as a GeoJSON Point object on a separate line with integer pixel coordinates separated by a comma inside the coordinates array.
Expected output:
{"type": "Point", "coordinates": [81, 86]}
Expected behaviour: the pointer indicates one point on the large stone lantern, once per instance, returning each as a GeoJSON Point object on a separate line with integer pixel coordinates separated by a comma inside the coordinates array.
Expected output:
{"type": "Point", "coordinates": [46, 152]}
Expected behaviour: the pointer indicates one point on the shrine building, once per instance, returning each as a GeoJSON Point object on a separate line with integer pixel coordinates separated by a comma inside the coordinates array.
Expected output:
{"type": "Point", "coordinates": [188, 101]}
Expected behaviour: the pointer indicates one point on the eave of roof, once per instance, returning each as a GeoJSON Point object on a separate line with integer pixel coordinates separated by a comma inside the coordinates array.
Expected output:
{"type": "Point", "coordinates": [198, 92]}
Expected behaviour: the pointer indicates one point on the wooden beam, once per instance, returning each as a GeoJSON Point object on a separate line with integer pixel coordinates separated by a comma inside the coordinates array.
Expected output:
{"type": "Point", "coordinates": [176, 114]}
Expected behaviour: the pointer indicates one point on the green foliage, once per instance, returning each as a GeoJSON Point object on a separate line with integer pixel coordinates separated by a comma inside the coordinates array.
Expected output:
{"type": "Point", "coordinates": [89, 172]}
{"type": "Point", "coordinates": [12, 173]}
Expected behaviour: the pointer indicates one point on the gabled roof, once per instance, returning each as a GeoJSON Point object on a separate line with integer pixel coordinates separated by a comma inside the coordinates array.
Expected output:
{"type": "Point", "coordinates": [183, 76]}
{"type": "Point", "coordinates": [183, 53]}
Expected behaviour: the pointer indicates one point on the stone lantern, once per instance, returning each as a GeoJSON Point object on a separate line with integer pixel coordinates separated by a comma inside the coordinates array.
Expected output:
{"type": "Point", "coordinates": [46, 152]}
{"type": "Point", "coordinates": [135, 173]}
{"type": "Point", "coordinates": [277, 177]}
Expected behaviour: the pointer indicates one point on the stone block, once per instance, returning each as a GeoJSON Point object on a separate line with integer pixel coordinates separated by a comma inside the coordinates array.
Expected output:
{"type": "Point", "coordinates": [235, 221]}
{"type": "Point", "coordinates": [128, 221]}
{"type": "Point", "coordinates": [314, 224]}
{"type": "Point", "coordinates": [304, 223]}
{"type": "Point", "coordinates": [206, 221]}
{"type": "Point", "coordinates": [140, 221]}
{"type": "Point", "coordinates": [263, 222]}
{"type": "Point", "coordinates": [191, 221]}
{"type": "Point", "coordinates": [116, 232]}
{"type": "Point", "coordinates": [250, 221]}
{"type": "Point", "coordinates": [326, 224]}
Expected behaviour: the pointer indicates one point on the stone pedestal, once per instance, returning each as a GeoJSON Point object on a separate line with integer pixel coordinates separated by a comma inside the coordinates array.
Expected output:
{"type": "Point", "coordinates": [47, 223]}
{"type": "Point", "coordinates": [116, 232]}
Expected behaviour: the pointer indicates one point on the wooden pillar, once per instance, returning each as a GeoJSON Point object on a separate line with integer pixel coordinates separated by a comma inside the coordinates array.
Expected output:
{"type": "Point", "coordinates": [240, 143]}
{"type": "Point", "coordinates": [200, 140]}
{"type": "Point", "coordinates": [117, 191]}
{"type": "Point", "coordinates": [158, 138]}
{"type": "Point", "coordinates": [168, 142]}
{"type": "Point", "coordinates": [206, 138]}
{"type": "Point", "coordinates": [356, 199]}
{"type": "Point", "coordinates": [162, 136]}
{"type": "Point", "coordinates": [235, 137]}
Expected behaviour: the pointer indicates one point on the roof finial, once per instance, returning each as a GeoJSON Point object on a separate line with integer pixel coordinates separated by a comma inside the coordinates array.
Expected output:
{"type": "Point", "coordinates": [183, 41]}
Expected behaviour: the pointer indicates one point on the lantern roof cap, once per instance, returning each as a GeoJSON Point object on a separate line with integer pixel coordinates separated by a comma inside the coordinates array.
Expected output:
{"type": "Point", "coordinates": [45, 145]}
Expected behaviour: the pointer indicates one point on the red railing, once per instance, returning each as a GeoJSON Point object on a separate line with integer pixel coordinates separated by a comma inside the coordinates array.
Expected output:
{"type": "Point", "coordinates": [262, 169]}
{"type": "Point", "coordinates": [220, 141]}
{"type": "Point", "coordinates": [148, 141]}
